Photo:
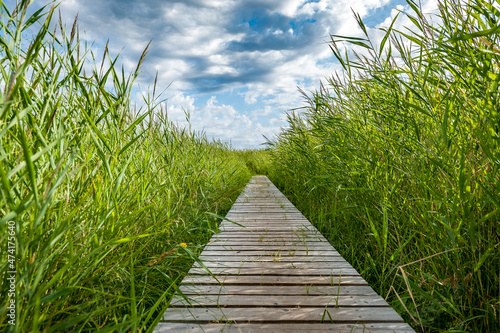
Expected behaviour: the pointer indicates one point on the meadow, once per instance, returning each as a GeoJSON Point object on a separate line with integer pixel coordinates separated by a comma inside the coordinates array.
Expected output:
{"type": "Point", "coordinates": [396, 161]}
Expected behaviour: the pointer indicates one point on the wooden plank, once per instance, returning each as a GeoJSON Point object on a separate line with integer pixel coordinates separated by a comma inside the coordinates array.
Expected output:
{"type": "Point", "coordinates": [263, 237]}
{"type": "Point", "coordinates": [277, 265]}
{"type": "Point", "coordinates": [262, 200]}
{"type": "Point", "coordinates": [295, 259]}
{"type": "Point", "coordinates": [273, 300]}
{"type": "Point", "coordinates": [314, 234]}
{"type": "Point", "coordinates": [266, 224]}
{"type": "Point", "coordinates": [272, 205]}
{"type": "Point", "coordinates": [297, 282]}
{"type": "Point", "coordinates": [265, 229]}
{"type": "Point", "coordinates": [251, 197]}
{"type": "Point", "coordinates": [266, 211]}
{"type": "Point", "coordinates": [272, 253]}
{"type": "Point", "coordinates": [266, 220]}
{"type": "Point", "coordinates": [284, 327]}
{"type": "Point", "coordinates": [284, 214]}
{"type": "Point", "coordinates": [268, 217]}
{"type": "Point", "coordinates": [254, 209]}
{"type": "Point", "coordinates": [256, 243]}
{"type": "Point", "coordinates": [248, 239]}
{"type": "Point", "coordinates": [303, 225]}
{"type": "Point", "coordinates": [268, 241]}
{"type": "Point", "coordinates": [289, 314]}
{"type": "Point", "coordinates": [337, 271]}
{"type": "Point", "coordinates": [266, 247]}
{"type": "Point", "coordinates": [277, 233]}
{"type": "Point", "coordinates": [262, 208]}
{"type": "Point", "coordinates": [300, 225]}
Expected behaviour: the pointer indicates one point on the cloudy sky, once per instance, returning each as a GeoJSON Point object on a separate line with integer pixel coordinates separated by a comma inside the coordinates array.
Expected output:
{"type": "Point", "coordinates": [235, 65]}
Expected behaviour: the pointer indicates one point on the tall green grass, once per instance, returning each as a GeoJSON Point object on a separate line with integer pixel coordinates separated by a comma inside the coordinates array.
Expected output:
{"type": "Point", "coordinates": [258, 161]}
{"type": "Point", "coordinates": [397, 161]}
{"type": "Point", "coordinates": [109, 202]}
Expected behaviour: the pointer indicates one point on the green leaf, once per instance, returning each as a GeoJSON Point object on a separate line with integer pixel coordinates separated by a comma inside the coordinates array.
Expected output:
{"type": "Point", "coordinates": [481, 261]}
{"type": "Point", "coordinates": [387, 34]}
{"type": "Point", "coordinates": [483, 33]}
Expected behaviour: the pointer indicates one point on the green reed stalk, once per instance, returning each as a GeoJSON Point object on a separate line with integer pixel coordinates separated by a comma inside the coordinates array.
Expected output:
{"type": "Point", "coordinates": [101, 196]}
{"type": "Point", "coordinates": [398, 159]}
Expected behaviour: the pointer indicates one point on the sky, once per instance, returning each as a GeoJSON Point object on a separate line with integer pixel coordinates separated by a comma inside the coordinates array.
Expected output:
{"type": "Point", "coordinates": [235, 65]}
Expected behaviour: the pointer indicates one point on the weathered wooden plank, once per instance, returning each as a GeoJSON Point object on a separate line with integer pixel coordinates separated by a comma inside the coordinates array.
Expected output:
{"type": "Point", "coordinates": [266, 220]}
{"type": "Point", "coordinates": [266, 215]}
{"type": "Point", "coordinates": [264, 210]}
{"type": "Point", "coordinates": [275, 213]}
{"type": "Point", "coordinates": [236, 236]}
{"type": "Point", "coordinates": [265, 247]}
{"type": "Point", "coordinates": [277, 265]}
{"type": "Point", "coordinates": [260, 217]}
{"type": "Point", "coordinates": [270, 205]}
{"type": "Point", "coordinates": [265, 229]}
{"type": "Point", "coordinates": [243, 239]}
{"type": "Point", "coordinates": [302, 225]}
{"type": "Point", "coordinates": [257, 197]}
{"type": "Point", "coordinates": [284, 327]}
{"type": "Point", "coordinates": [290, 253]}
{"type": "Point", "coordinates": [263, 200]}
{"type": "Point", "coordinates": [295, 259]}
{"type": "Point", "coordinates": [337, 271]}
{"type": "Point", "coordinates": [289, 314]}
{"type": "Point", "coordinates": [263, 235]}
{"type": "Point", "coordinates": [273, 300]}
{"type": "Point", "coordinates": [263, 205]}
{"type": "Point", "coordinates": [269, 241]}
{"type": "Point", "coordinates": [298, 282]}
{"type": "Point", "coordinates": [301, 232]}
{"type": "Point", "coordinates": [259, 208]}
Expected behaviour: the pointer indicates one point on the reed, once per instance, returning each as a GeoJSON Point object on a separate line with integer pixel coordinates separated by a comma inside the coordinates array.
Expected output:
{"type": "Point", "coordinates": [109, 202]}
{"type": "Point", "coordinates": [258, 161]}
{"type": "Point", "coordinates": [397, 162]}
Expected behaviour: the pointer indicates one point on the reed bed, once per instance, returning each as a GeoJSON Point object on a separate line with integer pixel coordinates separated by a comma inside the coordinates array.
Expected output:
{"type": "Point", "coordinates": [109, 204]}
{"type": "Point", "coordinates": [258, 161]}
{"type": "Point", "coordinates": [396, 160]}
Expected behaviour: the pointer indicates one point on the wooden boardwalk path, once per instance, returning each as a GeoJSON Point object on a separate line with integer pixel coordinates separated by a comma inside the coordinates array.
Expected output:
{"type": "Point", "coordinates": [274, 272]}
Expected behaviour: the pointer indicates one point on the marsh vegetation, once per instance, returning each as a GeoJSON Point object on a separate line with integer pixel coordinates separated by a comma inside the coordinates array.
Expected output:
{"type": "Point", "coordinates": [395, 160]}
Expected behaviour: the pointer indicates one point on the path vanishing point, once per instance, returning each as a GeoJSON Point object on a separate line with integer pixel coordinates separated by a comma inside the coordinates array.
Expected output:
{"type": "Point", "coordinates": [272, 271]}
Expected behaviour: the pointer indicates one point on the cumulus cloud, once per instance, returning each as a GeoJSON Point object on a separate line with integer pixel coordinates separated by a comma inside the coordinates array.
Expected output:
{"type": "Point", "coordinates": [257, 50]}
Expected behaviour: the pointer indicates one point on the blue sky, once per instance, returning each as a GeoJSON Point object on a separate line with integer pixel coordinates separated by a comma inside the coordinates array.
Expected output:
{"type": "Point", "coordinates": [235, 65]}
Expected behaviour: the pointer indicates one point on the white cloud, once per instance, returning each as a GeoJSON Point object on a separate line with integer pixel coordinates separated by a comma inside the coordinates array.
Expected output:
{"type": "Point", "coordinates": [202, 47]}
{"type": "Point", "coordinates": [177, 106]}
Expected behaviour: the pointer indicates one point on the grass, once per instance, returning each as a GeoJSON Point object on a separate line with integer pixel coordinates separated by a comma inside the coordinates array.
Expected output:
{"type": "Point", "coordinates": [109, 202]}
{"type": "Point", "coordinates": [396, 161]}
{"type": "Point", "coordinates": [258, 161]}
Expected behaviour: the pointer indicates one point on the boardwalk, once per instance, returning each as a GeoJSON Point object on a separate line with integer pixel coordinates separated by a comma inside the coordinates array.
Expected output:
{"type": "Point", "coordinates": [274, 272]}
